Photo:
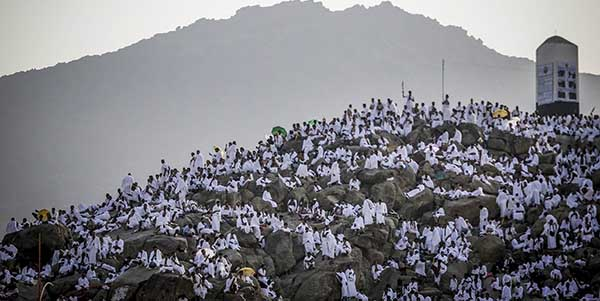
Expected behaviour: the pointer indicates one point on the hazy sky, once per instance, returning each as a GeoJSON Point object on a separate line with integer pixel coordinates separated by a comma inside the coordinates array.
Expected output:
{"type": "Point", "coordinates": [42, 33]}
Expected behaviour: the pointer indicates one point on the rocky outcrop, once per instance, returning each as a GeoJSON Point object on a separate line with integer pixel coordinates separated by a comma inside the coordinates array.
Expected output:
{"type": "Point", "coordinates": [279, 246]}
{"type": "Point", "coordinates": [165, 286]}
{"type": "Point", "coordinates": [415, 207]}
{"type": "Point", "coordinates": [318, 286]}
{"type": "Point", "coordinates": [147, 240]}
{"type": "Point", "coordinates": [471, 134]}
{"type": "Point", "coordinates": [502, 142]}
{"type": "Point", "coordinates": [469, 208]}
{"type": "Point", "coordinates": [52, 237]}
{"type": "Point", "coordinates": [126, 285]}
{"type": "Point", "coordinates": [490, 249]}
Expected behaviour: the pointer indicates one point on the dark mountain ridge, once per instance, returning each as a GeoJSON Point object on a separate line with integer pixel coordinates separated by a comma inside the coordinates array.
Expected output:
{"type": "Point", "coordinates": [72, 129]}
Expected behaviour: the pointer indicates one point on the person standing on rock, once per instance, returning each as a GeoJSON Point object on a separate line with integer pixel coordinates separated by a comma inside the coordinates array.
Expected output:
{"type": "Point", "coordinates": [329, 244]}
{"type": "Point", "coordinates": [215, 220]}
{"type": "Point", "coordinates": [342, 277]}
{"type": "Point", "coordinates": [502, 201]}
{"type": "Point", "coordinates": [127, 182]}
{"type": "Point", "coordinates": [367, 211]}
{"type": "Point", "coordinates": [506, 292]}
{"type": "Point", "coordinates": [446, 112]}
{"type": "Point", "coordinates": [550, 230]}
{"type": "Point", "coordinates": [380, 212]}
{"type": "Point", "coordinates": [351, 279]}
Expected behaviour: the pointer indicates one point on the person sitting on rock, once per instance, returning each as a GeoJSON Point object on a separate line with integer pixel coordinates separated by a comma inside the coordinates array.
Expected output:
{"type": "Point", "coordinates": [309, 261]}
{"type": "Point", "coordinates": [82, 283]}
{"type": "Point", "coordinates": [358, 225]}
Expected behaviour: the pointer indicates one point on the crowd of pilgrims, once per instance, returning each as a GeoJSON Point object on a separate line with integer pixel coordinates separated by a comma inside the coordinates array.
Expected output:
{"type": "Point", "coordinates": [429, 249]}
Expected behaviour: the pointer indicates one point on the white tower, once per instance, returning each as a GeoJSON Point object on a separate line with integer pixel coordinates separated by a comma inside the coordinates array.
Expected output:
{"type": "Point", "coordinates": [557, 77]}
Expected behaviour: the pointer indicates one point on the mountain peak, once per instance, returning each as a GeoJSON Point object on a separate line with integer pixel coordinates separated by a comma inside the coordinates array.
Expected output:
{"type": "Point", "coordinates": [294, 6]}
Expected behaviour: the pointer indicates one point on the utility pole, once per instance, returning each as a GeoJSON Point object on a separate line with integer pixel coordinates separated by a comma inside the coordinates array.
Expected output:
{"type": "Point", "coordinates": [403, 89]}
{"type": "Point", "coordinates": [443, 91]}
{"type": "Point", "coordinates": [39, 282]}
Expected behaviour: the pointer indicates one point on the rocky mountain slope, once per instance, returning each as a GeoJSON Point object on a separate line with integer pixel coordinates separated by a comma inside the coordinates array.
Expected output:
{"type": "Point", "coordinates": [251, 208]}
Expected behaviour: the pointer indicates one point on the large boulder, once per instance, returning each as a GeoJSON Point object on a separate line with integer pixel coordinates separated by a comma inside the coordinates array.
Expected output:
{"type": "Point", "coordinates": [386, 192]}
{"type": "Point", "coordinates": [279, 246]}
{"type": "Point", "coordinates": [165, 286]}
{"type": "Point", "coordinates": [292, 145]}
{"type": "Point", "coordinates": [191, 219]}
{"type": "Point", "coordinates": [52, 237]}
{"type": "Point", "coordinates": [147, 240]}
{"type": "Point", "coordinates": [405, 178]}
{"type": "Point", "coordinates": [499, 145]}
{"type": "Point", "coordinates": [354, 197]}
{"type": "Point", "coordinates": [490, 248]}
{"type": "Point", "coordinates": [330, 196]}
{"type": "Point", "coordinates": [416, 206]}
{"type": "Point", "coordinates": [319, 286]}
{"type": "Point", "coordinates": [469, 208]}
{"type": "Point", "coordinates": [374, 176]}
{"type": "Point", "coordinates": [471, 134]}
{"type": "Point", "coordinates": [373, 237]}
{"type": "Point", "coordinates": [62, 286]}
{"type": "Point", "coordinates": [521, 145]}
{"type": "Point", "coordinates": [420, 134]}
{"type": "Point", "coordinates": [257, 257]}
{"type": "Point", "coordinates": [247, 240]}
{"type": "Point", "coordinates": [125, 286]}
{"type": "Point", "coordinates": [456, 268]}
{"type": "Point", "coordinates": [505, 142]}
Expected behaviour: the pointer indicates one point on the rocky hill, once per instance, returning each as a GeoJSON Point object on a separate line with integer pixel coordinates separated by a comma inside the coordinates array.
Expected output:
{"type": "Point", "coordinates": [378, 203]}
{"type": "Point", "coordinates": [215, 80]}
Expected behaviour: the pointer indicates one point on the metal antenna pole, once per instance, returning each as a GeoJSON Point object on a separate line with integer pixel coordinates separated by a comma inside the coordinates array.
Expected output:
{"type": "Point", "coordinates": [443, 91]}
{"type": "Point", "coordinates": [403, 89]}
{"type": "Point", "coordinates": [39, 284]}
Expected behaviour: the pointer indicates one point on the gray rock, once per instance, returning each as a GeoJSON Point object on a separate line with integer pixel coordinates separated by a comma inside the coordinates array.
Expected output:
{"type": "Point", "coordinates": [279, 246]}
{"type": "Point", "coordinates": [490, 249]}
{"type": "Point", "coordinates": [319, 286]}
{"type": "Point", "coordinates": [147, 240]}
{"type": "Point", "coordinates": [62, 285]}
{"type": "Point", "coordinates": [456, 268]}
{"type": "Point", "coordinates": [471, 134]}
{"type": "Point", "coordinates": [416, 206]}
{"type": "Point", "coordinates": [165, 286]}
{"type": "Point", "coordinates": [52, 237]}
{"type": "Point", "coordinates": [420, 134]}
{"type": "Point", "coordinates": [386, 192]}
{"type": "Point", "coordinates": [374, 176]}
{"type": "Point", "coordinates": [469, 208]}
{"type": "Point", "coordinates": [126, 285]}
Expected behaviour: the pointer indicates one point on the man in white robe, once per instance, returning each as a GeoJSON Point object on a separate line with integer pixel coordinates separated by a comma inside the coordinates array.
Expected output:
{"type": "Point", "coordinates": [12, 226]}
{"type": "Point", "coordinates": [380, 212]}
{"type": "Point", "coordinates": [367, 212]}
{"type": "Point", "coordinates": [127, 182]}
{"type": "Point", "coordinates": [483, 218]}
{"type": "Point", "coordinates": [216, 218]}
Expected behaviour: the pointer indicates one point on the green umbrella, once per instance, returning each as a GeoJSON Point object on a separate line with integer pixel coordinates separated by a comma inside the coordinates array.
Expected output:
{"type": "Point", "coordinates": [279, 130]}
{"type": "Point", "coordinates": [312, 122]}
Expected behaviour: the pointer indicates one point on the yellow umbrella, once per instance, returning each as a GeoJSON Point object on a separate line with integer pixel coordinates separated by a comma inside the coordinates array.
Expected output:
{"type": "Point", "coordinates": [43, 215]}
{"type": "Point", "coordinates": [500, 113]}
{"type": "Point", "coordinates": [247, 271]}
